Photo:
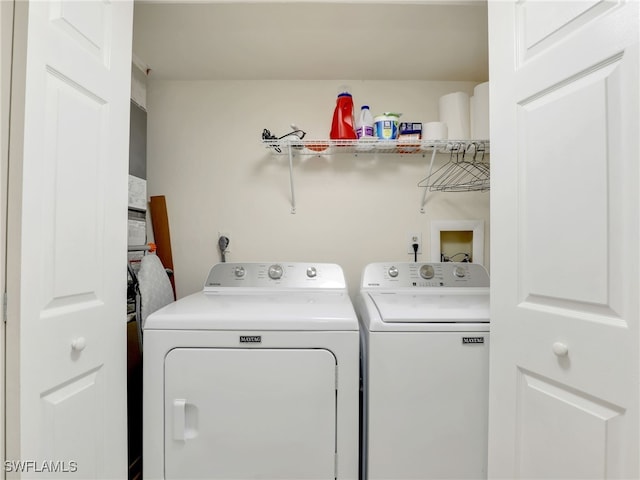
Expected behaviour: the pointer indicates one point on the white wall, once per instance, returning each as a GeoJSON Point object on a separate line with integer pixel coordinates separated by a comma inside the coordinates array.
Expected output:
{"type": "Point", "coordinates": [6, 42]}
{"type": "Point", "coordinates": [205, 155]}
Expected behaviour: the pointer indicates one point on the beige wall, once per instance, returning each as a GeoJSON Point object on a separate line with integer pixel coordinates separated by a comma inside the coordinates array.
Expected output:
{"type": "Point", "coordinates": [206, 157]}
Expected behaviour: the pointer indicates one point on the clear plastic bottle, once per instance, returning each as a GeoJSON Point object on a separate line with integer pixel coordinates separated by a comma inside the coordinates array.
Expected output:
{"type": "Point", "coordinates": [364, 123]}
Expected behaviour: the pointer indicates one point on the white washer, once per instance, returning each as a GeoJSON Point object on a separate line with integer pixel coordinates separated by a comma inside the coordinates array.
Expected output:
{"type": "Point", "coordinates": [257, 376]}
{"type": "Point", "coordinates": [425, 354]}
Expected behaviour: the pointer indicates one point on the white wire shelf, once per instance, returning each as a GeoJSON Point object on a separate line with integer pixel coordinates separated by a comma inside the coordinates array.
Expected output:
{"type": "Point", "coordinates": [323, 147]}
{"type": "Point", "coordinates": [467, 169]}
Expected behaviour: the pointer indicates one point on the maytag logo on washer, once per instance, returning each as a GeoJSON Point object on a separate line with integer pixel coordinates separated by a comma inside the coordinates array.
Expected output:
{"type": "Point", "coordinates": [250, 338]}
{"type": "Point", "coordinates": [468, 340]}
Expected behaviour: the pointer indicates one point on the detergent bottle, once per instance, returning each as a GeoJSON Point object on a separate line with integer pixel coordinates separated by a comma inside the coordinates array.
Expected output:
{"type": "Point", "coordinates": [342, 125]}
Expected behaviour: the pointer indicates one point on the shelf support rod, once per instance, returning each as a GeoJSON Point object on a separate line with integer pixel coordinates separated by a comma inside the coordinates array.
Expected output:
{"type": "Point", "coordinates": [426, 188]}
{"type": "Point", "coordinates": [293, 194]}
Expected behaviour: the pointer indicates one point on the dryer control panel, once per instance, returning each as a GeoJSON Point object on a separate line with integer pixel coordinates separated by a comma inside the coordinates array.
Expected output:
{"type": "Point", "coordinates": [287, 275]}
{"type": "Point", "coordinates": [408, 275]}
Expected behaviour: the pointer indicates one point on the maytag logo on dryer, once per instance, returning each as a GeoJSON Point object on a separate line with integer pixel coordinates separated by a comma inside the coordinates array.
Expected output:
{"type": "Point", "coordinates": [250, 338]}
{"type": "Point", "coordinates": [472, 340]}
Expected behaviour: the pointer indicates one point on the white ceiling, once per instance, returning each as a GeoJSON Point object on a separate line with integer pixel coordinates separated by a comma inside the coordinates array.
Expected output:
{"type": "Point", "coordinates": [306, 40]}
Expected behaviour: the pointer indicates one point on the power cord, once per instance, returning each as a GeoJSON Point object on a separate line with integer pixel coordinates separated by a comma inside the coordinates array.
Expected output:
{"type": "Point", "coordinates": [466, 259]}
{"type": "Point", "coordinates": [267, 135]}
{"type": "Point", "coordinates": [415, 252]}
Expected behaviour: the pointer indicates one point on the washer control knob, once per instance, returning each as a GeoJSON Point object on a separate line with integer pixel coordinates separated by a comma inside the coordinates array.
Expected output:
{"type": "Point", "coordinates": [459, 272]}
{"type": "Point", "coordinates": [239, 272]}
{"type": "Point", "coordinates": [312, 272]}
{"type": "Point", "coordinates": [275, 272]}
{"type": "Point", "coordinates": [427, 272]}
{"type": "Point", "coordinates": [393, 272]}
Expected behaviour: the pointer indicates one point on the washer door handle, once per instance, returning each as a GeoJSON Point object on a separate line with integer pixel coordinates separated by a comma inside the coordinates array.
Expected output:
{"type": "Point", "coordinates": [179, 407]}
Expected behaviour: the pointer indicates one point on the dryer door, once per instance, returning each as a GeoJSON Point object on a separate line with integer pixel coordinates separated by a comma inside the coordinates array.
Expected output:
{"type": "Point", "coordinates": [250, 413]}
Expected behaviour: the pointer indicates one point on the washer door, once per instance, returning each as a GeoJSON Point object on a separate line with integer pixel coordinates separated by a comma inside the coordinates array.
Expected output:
{"type": "Point", "coordinates": [437, 306]}
{"type": "Point", "coordinates": [250, 414]}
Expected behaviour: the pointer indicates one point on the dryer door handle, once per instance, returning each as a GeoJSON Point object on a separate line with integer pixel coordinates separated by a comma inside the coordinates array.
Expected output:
{"type": "Point", "coordinates": [179, 419]}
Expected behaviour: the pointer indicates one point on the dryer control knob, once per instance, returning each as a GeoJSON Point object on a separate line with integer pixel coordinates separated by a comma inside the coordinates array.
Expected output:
{"type": "Point", "coordinates": [312, 272]}
{"type": "Point", "coordinates": [275, 272]}
{"type": "Point", "coordinates": [459, 272]}
{"type": "Point", "coordinates": [427, 272]}
{"type": "Point", "coordinates": [239, 272]}
{"type": "Point", "coordinates": [393, 272]}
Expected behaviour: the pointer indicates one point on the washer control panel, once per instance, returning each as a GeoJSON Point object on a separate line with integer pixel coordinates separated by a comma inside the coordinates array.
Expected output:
{"type": "Point", "coordinates": [275, 275]}
{"type": "Point", "coordinates": [409, 275]}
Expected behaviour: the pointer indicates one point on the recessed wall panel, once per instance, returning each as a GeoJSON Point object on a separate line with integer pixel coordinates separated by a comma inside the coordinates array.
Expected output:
{"type": "Point", "coordinates": [543, 24]}
{"type": "Point", "coordinates": [564, 176]}
{"type": "Point", "coordinates": [73, 193]}
{"type": "Point", "coordinates": [87, 23]}
{"type": "Point", "coordinates": [550, 418]}
{"type": "Point", "coordinates": [73, 415]}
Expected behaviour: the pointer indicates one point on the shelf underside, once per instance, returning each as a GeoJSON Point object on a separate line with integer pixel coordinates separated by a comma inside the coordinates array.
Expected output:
{"type": "Point", "coordinates": [473, 148]}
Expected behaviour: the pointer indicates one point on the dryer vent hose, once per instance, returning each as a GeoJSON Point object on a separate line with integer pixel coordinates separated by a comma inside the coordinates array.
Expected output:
{"type": "Point", "coordinates": [223, 244]}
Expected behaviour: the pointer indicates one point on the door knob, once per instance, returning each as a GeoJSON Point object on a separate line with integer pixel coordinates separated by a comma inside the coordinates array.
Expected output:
{"type": "Point", "coordinates": [78, 344]}
{"type": "Point", "coordinates": [560, 349]}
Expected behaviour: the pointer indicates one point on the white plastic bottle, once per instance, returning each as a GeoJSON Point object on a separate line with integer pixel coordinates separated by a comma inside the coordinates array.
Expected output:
{"type": "Point", "coordinates": [364, 123]}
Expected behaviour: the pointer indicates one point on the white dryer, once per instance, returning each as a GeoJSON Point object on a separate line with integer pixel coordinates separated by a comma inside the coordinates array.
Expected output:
{"type": "Point", "coordinates": [255, 377]}
{"type": "Point", "coordinates": [425, 364]}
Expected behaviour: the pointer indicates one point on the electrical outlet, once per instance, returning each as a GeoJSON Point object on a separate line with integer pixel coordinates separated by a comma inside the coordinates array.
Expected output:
{"type": "Point", "coordinates": [414, 238]}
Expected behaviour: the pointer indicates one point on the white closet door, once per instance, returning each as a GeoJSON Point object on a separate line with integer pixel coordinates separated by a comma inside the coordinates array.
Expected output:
{"type": "Point", "coordinates": [250, 414]}
{"type": "Point", "coordinates": [6, 41]}
{"type": "Point", "coordinates": [565, 233]}
{"type": "Point", "coordinates": [66, 326]}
